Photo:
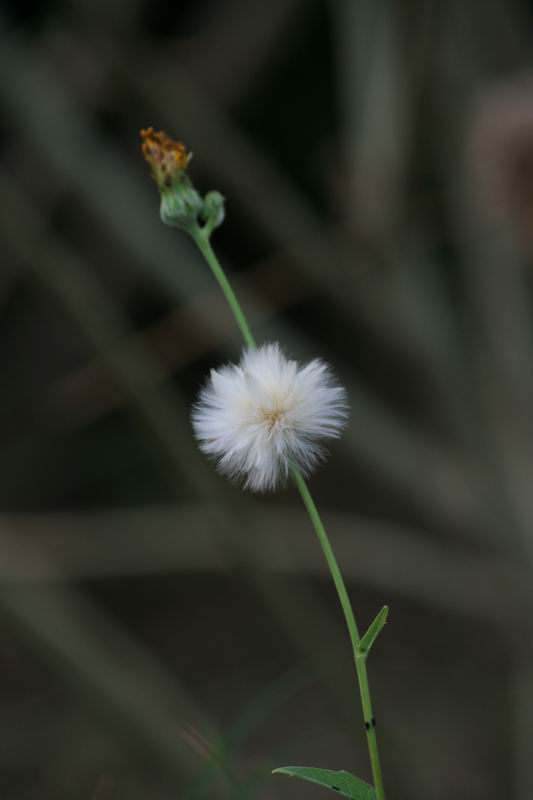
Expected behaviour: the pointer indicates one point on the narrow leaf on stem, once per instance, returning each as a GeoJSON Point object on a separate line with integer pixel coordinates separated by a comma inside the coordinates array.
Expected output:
{"type": "Point", "coordinates": [373, 632]}
{"type": "Point", "coordinates": [343, 783]}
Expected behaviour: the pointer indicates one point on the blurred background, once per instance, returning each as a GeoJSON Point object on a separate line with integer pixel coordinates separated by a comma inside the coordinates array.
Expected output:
{"type": "Point", "coordinates": [163, 635]}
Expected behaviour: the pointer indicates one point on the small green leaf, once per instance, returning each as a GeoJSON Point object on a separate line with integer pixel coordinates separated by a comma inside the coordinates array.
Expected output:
{"type": "Point", "coordinates": [341, 782]}
{"type": "Point", "coordinates": [373, 631]}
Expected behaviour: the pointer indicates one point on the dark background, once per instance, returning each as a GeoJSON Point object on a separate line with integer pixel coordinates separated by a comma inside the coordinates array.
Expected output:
{"type": "Point", "coordinates": [163, 635]}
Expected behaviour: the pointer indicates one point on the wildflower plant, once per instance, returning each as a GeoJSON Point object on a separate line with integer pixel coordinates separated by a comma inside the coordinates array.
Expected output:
{"type": "Point", "coordinates": [265, 420]}
{"type": "Point", "coordinates": [259, 418]}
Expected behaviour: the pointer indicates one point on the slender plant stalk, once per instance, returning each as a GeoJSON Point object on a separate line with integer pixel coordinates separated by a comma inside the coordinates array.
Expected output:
{"type": "Point", "coordinates": [202, 239]}
{"type": "Point", "coordinates": [359, 657]}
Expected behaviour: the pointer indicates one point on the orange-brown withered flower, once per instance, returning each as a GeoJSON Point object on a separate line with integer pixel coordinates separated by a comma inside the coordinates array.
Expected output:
{"type": "Point", "coordinates": [168, 159]}
{"type": "Point", "coordinates": [180, 202]}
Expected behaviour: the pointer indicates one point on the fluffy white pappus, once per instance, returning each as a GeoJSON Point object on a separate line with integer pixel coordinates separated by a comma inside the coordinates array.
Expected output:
{"type": "Point", "coordinates": [257, 418]}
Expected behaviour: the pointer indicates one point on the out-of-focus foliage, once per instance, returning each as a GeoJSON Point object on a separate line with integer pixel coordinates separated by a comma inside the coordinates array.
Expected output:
{"type": "Point", "coordinates": [162, 634]}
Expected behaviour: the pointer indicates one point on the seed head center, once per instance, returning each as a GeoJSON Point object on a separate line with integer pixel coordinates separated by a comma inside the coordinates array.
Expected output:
{"type": "Point", "coordinates": [272, 416]}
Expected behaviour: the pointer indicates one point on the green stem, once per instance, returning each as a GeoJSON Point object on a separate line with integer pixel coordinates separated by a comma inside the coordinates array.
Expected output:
{"type": "Point", "coordinates": [359, 658]}
{"type": "Point", "coordinates": [318, 525]}
{"type": "Point", "coordinates": [370, 725]}
{"type": "Point", "coordinates": [201, 237]}
{"type": "Point", "coordinates": [204, 245]}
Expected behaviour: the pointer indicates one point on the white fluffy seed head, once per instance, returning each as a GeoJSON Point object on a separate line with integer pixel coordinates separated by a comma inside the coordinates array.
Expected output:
{"type": "Point", "coordinates": [257, 418]}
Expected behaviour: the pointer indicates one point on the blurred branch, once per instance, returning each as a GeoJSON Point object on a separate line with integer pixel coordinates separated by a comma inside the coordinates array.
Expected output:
{"type": "Point", "coordinates": [61, 132]}
{"type": "Point", "coordinates": [146, 541]}
{"type": "Point", "coordinates": [175, 340]}
{"type": "Point", "coordinates": [377, 110]}
{"type": "Point", "coordinates": [380, 77]}
{"type": "Point", "coordinates": [521, 715]}
{"type": "Point", "coordinates": [63, 272]}
{"type": "Point", "coordinates": [486, 206]}
{"type": "Point", "coordinates": [250, 35]}
{"type": "Point", "coordinates": [496, 277]}
{"type": "Point", "coordinates": [88, 647]}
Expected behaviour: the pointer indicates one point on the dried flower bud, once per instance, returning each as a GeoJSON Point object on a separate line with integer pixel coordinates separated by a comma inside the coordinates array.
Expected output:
{"type": "Point", "coordinates": [168, 159]}
{"type": "Point", "coordinates": [180, 202]}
